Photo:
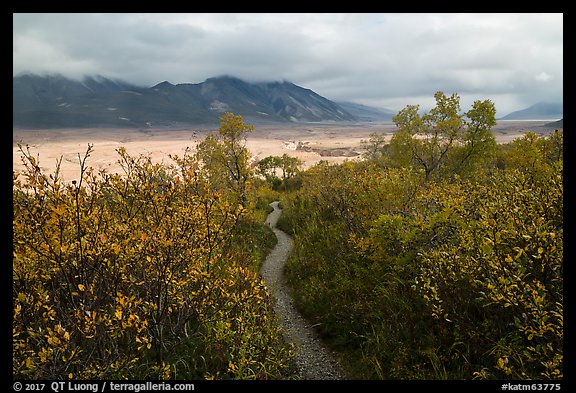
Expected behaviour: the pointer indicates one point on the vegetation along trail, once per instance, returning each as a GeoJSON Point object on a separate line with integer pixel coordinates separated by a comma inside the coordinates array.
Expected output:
{"type": "Point", "coordinates": [314, 361]}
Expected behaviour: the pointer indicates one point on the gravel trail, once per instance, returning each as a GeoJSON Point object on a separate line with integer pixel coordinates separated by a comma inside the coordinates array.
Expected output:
{"type": "Point", "coordinates": [314, 361]}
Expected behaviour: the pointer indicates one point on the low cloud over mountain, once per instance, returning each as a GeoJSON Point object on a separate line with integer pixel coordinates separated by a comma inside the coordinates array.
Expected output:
{"type": "Point", "coordinates": [55, 101]}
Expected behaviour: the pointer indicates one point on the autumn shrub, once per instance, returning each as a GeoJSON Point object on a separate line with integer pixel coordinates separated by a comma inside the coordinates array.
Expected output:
{"type": "Point", "coordinates": [132, 276]}
{"type": "Point", "coordinates": [501, 284]}
{"type": "Point", "coordinates": [359, 304]}
{"type": "Point", "coordinates": [261, 195]}
{"type": "Point", "coordinates": [444, 278]}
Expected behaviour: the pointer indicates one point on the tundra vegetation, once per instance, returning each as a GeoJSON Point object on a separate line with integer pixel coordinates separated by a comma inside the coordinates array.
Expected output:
{"type": "Point", "coordinates": [437, 256]}
{"type": "Point", "coordinates": [148, 274]}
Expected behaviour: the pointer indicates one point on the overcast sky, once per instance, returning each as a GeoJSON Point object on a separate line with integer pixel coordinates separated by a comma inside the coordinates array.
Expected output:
{"type": "Point", "coordinates": [385, 60]}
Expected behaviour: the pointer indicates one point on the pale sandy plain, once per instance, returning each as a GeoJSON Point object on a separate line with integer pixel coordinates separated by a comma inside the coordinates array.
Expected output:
{"type": "Point", "coordinates": [309, 142]}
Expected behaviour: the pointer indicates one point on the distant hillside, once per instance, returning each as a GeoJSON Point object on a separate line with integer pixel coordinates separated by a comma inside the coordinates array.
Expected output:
{"type": "Point", "coordinates": [539, 111]}
{"type": "Point", "coordinates": [368, 113]}
{"type": "Point", "coordinates": [555, 124]}
{"type": "Point", "coordinates": [35, 91]}
{"type": "Point", "coordinates": [55, 101]}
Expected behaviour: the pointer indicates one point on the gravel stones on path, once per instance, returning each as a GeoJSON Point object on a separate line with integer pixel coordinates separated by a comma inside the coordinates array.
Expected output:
{"type": "Point", "coordinates": [313, 359]}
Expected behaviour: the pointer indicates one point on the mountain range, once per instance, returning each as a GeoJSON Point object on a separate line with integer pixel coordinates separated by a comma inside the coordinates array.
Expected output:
{"type": "Point", "coordinates": [53, 101]}
{"type": "Point", "coordinates": [538, 111]}
{"type": "Point", "coordinates": [365, 113]}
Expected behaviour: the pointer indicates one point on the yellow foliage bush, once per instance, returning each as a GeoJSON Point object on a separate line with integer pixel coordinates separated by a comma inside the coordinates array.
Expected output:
{"type": "Point", "coordinates": [129, 276]}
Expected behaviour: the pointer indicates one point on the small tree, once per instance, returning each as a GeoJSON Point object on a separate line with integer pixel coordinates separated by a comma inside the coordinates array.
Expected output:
{"type": "Point", "coordinates": [553, 147]}
{"type": "Point", "coordinates": [443, 139]}
{"type": "Point", "coordinates": [290, 166]}
{"type": "Point", "coordinates": [225, 157]}
{"type": "Point", "coordinates": [376, 147]}
{"type": "Point", "coordinates": [267, 167]}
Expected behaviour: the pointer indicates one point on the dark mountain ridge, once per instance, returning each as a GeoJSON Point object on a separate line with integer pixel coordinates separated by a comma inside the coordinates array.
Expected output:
{"type": "Point", "coordinates": [538, 111]}
{"type": "Point", "coordinates": [366, 113]}
{"type": "Point", "coordinates": [36, 90]}
{"type": "Point", "coordinates": [55, 101]}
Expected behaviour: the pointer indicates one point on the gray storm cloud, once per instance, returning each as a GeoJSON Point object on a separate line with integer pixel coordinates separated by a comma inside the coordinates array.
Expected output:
{"type": "Point", "coordinates": [387, 60]}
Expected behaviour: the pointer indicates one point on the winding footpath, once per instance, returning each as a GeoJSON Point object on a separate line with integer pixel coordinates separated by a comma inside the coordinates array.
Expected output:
{"type": "Point", "coordinates": [313, 360]}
